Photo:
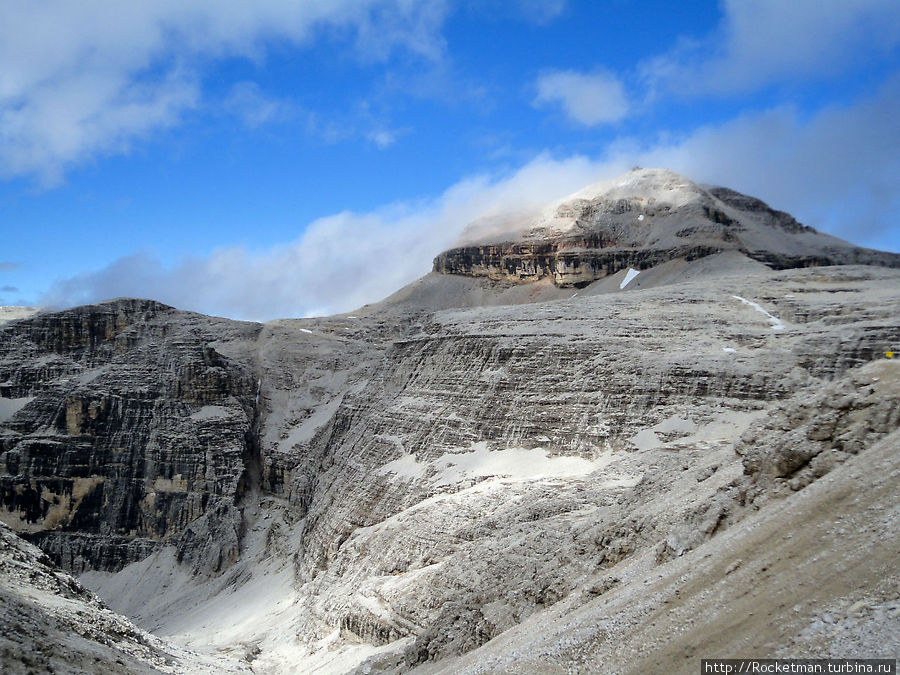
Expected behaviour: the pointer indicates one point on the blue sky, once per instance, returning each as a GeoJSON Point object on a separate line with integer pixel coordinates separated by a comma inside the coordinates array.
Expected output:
{"type": "Point", "coordinates": [273, 158]}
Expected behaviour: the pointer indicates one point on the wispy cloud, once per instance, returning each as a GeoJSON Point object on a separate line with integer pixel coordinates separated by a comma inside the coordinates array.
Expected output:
{"type": "Point", "coordinates": [249, 104]}
{"type": "Point", "coordinates": [764, 42]}
{"type": "Point", "coordinates": [587, 98]}
{"type": "Point", "coordinates": [538, 12]}
{"type": "Point", "coordinates": [8, 265]}
{"type": "Point", "coordinates": [78, 80]}
{"type": "Point", "coordinates": [837, 171]}
{"type": "Point", "coordinates": [541, 11]}
{"type": "Point", "coordinates": [382, 138]}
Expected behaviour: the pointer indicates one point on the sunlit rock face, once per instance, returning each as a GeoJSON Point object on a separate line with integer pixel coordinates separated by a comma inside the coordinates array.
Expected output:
{"type": "Point", "coordinates": [643, 219]}
{"type": "Point", "coordinates": [515, 464]}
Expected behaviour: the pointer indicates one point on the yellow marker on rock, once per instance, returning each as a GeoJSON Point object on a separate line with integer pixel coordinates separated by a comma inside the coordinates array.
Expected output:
{"type": "Point", "coordinates": [889, 355]}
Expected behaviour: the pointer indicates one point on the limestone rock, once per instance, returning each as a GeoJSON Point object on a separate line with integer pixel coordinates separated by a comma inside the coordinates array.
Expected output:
{"type": "Point", "coordinates": [803, 438]}
{"type": "Point", "coordinates": [129, 426]}
{"type": "Point", "coordinates": [640, 220]}
{"type": "Point", "coordinates": [49, 622]}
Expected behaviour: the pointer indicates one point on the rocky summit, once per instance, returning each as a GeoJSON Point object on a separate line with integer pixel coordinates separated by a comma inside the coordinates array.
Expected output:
{"type": "Point", "coordinates": [647, 217]}
{"type": "Point", "coordinates": [653, 423]}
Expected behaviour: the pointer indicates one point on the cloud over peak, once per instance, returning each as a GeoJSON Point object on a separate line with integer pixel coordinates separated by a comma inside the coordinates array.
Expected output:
{"type": "Point", "coordinates": [836, 171]}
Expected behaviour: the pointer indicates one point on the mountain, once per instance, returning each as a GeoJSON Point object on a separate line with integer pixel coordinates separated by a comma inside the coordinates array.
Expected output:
{"type": "Point", "coordinates": [642, 219]}
{"type": "Point", "coordinates": [504, 467]}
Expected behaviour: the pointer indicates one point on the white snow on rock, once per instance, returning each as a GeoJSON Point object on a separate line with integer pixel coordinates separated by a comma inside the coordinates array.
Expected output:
{"type": "Point", "coordinates": [729, 350]}
{"type": "Point", "coordinates": [629, 276]}
{"type": "Point", "coordinates": [305, 330]}
{"type": "Point", "coordinates": [10, 406]}
{"type": "Point", "coordinates": [210, 412]}
{"type": "Point", "coordinates": [646, 439]}
{"type": "Point", "coordinates": [664, 187]}
{"type": "Point", "coordinates": [660, 187]}
{"type": "Point", "coordinates": [777, 324]}
{"type": "Point", "coordinates": [482, 462]}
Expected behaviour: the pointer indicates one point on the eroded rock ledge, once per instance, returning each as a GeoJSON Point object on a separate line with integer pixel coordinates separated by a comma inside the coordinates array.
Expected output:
{"type": "Point", "coordinates": [577, 265]}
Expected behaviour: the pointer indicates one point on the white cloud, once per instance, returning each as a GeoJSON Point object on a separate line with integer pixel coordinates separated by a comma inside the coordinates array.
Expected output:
{"type": "Point", "coordinates": [537, 12]}
{"type": "Point", "coordinates": [588, 99]}
{"type": "Point", "coordinates": [80, 79]}
{"type": "Point", "coordinates": [541, 11]}
{"type": "Point", "coordinates": [838, 171]}
{"type": "Point", "coordinates": [763, 42]}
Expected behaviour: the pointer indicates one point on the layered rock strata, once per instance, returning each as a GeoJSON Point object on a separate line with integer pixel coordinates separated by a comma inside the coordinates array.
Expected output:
{"type": "Point", "coordinates": [51, 623]}
{"type": "Point", "coordinates": [126, 428]}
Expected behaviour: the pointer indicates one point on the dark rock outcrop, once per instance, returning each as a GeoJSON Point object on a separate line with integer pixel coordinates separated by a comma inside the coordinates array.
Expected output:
{"type": "Point", "coordinates": [131, 426]}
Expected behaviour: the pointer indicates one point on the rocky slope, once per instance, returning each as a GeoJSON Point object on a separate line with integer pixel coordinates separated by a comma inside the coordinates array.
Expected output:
{"type": "Point", "coordinates": [49, 622]}
{"type": "Point", "coordinates": [484, 474]}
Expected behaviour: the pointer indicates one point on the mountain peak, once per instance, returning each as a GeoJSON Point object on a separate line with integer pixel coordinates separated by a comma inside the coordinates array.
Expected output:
{"type": "Point", "coordinates": [661, 185]}
{"type": "Point", "coordinates": [641, 219]}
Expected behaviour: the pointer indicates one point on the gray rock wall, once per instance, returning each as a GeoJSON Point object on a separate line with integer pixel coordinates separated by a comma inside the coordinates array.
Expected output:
{"type": "Point", "coordinates": [135, 428]}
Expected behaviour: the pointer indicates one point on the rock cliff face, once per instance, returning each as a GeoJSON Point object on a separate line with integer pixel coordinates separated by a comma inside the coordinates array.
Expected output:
{"type": "Point", "coordinates": [481, 474]}
{"type": "Point", "coordinates": [128, 429]}
{"type": "Point", "coordinates": [641, 220]}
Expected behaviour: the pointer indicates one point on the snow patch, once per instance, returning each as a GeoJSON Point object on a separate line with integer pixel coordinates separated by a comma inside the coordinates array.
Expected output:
{"type": "Point", "coordinates": [641, 217]}
{"type": "Point", "coordinates": [210, 412]}
{"type": "Point", "coordinates": [729, 350]}
{"type": "Point", "coordinates": [482, 462]}
{"type": "Point", "coordinates": [646, 439]}
{"type": "Point", "coordinates": [675, 425]}
{"type": "Point", "coordinates": [10, 406]}
{"type": "Point", "coordinates": [13, 312]}
{"type": "Point", "coordinates": [777, 324]}
{"type": "Point", "coordinates": [725, 427]}
{"type": "Point", "coordinates": [305, 330]}
{"type": "Point", "coordinates": [629, 276]}
{"type": "Point", "coordinates": [406, 466]}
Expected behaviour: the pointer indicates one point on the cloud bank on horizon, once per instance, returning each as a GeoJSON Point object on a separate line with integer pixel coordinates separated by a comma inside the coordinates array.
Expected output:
{"type": "Point", "coordinates": [792, 102]}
